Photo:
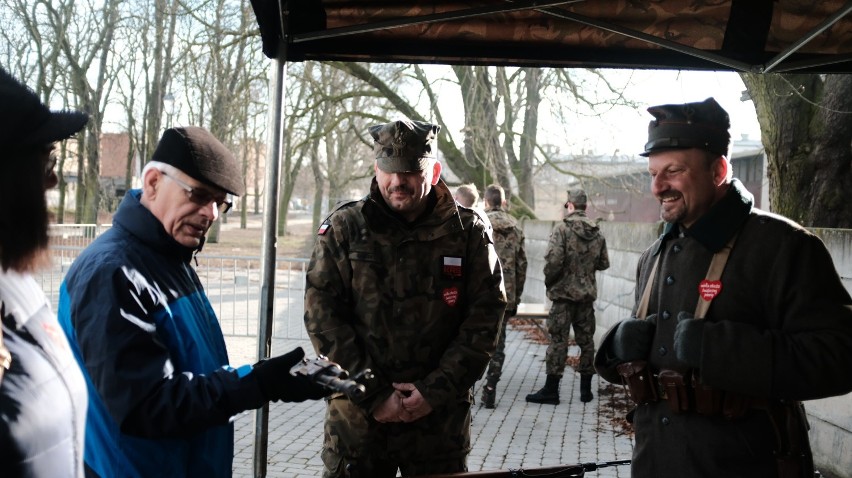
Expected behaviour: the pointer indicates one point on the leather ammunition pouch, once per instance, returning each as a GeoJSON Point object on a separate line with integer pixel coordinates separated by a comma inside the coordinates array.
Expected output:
{"type": "Point", "coordinates": [673, 385]}
{"type": "Point", "coordinates": [686, 393]}
{"type": "Point", "coordinates": [636, 375]}
{"type": "Point", "coordinates": [683, 392]}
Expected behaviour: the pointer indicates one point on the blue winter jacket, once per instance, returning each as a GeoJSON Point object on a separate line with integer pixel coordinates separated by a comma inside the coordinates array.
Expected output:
{"type": "Point", "coordinates": [161, 394]}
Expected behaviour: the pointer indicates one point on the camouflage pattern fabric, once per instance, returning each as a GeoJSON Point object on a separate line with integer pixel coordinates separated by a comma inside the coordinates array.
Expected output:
{"type": "Point", "coordinates": [699, 25]}
{"type": "Point", "coordinates": [575, 251]}
{"type": "Point", "coordinates": [562, 316]}
{"type": "Point", "coordinates": [437, 443]}
{"type": "Point", "coordinates": [509, 243]}
{"type": "Point", "coordinates": [414, 302]}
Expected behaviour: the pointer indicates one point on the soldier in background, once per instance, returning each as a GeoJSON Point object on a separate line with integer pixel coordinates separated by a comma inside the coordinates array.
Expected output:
{"type": "Point", "coordinates": [467, 195]}
{"type": "Point", "coordinates": [576, 251]}
{"type": "Point", "coordinates": [407, 284]}
{"type": "Point", "coordinates": [509, 242]}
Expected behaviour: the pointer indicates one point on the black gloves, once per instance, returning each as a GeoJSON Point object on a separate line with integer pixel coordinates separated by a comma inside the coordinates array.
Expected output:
{"type": "Point", "coordinates": [688, 337]}
{"type": "Point", "coordinates": [633, 338]}
{"type": "Point", "coordinates": [276, 383]}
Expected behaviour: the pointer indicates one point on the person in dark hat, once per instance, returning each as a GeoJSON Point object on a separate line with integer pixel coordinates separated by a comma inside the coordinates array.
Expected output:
{"type": "Point", "coordinates": [162, 394]}
{"type": "Point", "coordinates": [739, 316]}
{"type": "Point", "coordinates": [576, 250]}
{"type": "Point", "coordinates": [407, 284]}
{"type": "Point", "coordinates": [42, 391]}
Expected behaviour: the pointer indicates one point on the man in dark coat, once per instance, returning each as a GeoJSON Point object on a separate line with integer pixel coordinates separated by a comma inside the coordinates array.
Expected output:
{"type": "Point", "coordinates": [740, 315]}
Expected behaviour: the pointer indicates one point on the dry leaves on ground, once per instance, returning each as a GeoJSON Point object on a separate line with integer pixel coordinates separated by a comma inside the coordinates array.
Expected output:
{"type": "Point", "coordinates": [615, 403]}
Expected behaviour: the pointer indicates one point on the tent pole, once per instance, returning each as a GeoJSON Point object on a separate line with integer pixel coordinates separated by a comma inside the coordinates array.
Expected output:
{"type": "Point", "coordinates": [269, 245]}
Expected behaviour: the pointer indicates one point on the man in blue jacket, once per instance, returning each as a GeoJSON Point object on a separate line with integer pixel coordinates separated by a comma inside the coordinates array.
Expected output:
{"type": "Point", "coordinates": [161, 391]}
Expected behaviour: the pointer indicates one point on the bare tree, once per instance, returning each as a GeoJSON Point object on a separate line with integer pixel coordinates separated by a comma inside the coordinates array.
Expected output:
{"type": "Point", "coordinates": [806, 129]}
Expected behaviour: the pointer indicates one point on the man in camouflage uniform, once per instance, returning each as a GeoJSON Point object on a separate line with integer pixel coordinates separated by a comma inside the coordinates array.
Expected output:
{"type": "Point", "coordinates": [509, 242]}
{"type": "Point", "coordinates": [405, 283]}
{"type": "Point", "coordinates": [576, 250]}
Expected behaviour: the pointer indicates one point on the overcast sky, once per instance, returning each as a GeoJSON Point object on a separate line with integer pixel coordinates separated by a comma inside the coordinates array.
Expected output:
{"type": "Point", "coordinates": [625, 129]}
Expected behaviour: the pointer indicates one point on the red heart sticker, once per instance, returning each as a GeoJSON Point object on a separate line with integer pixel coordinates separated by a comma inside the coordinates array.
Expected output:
{"type": "Point", "coordinates": [451, 296]}
{"type": "Point", "coordinates": [708, 289]}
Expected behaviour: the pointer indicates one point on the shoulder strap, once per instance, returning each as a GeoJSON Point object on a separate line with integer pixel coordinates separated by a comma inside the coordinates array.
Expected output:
{"type": "Point", "coordinates": [714, 272]}
{"type": "Point", "coordinates": [646, 294]}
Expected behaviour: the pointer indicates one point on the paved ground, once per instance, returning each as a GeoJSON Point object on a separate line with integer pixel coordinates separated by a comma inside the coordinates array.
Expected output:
{"type": "Point", "coordinates": [515, 434]}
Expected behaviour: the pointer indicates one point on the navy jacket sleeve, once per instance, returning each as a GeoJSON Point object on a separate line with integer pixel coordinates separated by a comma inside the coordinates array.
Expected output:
{"type": "Point", "coordinates": [134, 338]}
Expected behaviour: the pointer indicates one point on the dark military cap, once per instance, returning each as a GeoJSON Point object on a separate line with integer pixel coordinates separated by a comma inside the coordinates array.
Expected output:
{"type": "Point", "coordinates": [576, 197]}
{"type": "Point", "coordinates": [701, 125]}
{"type": "Point", "coordinates": [200, 155]}
{"type": "Point", "coordinates": [26, 121]}
{"type": "Point", "coordinates": [404, 145]}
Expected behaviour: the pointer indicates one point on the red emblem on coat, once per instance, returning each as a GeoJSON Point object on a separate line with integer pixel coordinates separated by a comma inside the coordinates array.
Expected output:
{"type": "Point", "coordinates": [451, 296]}
{"type": "Point", "coordinates": [708, 289]}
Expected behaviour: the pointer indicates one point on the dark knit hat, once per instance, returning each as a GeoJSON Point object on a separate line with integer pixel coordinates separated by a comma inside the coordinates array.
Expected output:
{"type": "Point", "coordinates": [26, 121]}
{"type": "Point", "coordinates": [200, 155]}
{"type": "Point", "coordinates": [701, 125]}
{"type": "Point", "coordinates": [576, 197]}
{"type": "Point", "coordinates": [404, 145]}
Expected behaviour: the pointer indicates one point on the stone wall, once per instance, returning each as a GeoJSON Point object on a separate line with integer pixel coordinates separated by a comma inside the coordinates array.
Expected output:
{"type": "Point", "coordinates": [830, 419]}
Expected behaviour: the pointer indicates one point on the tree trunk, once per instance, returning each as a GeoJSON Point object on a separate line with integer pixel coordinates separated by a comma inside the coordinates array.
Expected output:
{"type": "Point", "coordinates": [807, 135]}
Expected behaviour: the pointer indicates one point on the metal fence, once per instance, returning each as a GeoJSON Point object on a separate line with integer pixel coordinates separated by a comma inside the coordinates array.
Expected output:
{"type": "Point", "coordinates": [232, 284]}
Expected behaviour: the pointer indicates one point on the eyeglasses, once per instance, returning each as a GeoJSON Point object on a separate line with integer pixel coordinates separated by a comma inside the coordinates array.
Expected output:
{"type": "Point", "coordinates": [201, 196]}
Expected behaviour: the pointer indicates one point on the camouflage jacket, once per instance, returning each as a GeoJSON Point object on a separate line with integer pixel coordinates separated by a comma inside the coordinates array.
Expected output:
{"type": "Point", "coordinates": [575, 251]}
{"type": "Point", "coordinates": [509, 242]}
{"type": "Point", "coordinates": [414, 302]}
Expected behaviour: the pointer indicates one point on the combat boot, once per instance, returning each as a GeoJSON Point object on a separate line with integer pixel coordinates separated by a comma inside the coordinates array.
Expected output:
{"type": "Point", "coordinates": [586, 388]}
{"type": "Point", "coordinates": [549, 394]}
{"type": "Point", "coordinates": [489, 394]}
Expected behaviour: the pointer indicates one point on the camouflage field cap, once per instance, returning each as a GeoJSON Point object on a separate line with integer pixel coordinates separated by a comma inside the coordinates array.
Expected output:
{"type": "Point", "coordinates": [702, 125]}
{"type": "Point", "coordinates": [576, 197]}
{"type": "Point", "coordinates": [404, 145]}
{"type": "Point", "coordinates": [198, 153]}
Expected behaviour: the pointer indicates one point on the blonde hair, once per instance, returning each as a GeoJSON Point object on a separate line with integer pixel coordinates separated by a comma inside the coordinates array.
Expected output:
{"type": "Point", "coordinates": [467, 195]}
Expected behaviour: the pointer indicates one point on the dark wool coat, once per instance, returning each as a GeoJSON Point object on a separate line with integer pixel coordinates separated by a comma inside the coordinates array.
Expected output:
{"type": "Point", "coordinates": [780, 329]}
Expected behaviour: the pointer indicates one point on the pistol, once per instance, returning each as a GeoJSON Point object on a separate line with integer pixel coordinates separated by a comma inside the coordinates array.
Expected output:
{"type": "Point", "coordinates": [332, 376]}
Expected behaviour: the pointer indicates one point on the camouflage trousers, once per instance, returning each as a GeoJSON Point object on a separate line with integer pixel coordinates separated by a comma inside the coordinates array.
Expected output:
{"type": "Point", "coordinates": [563, 315]}
{"type": "Point", "coordinates": [495, 366]}
{"type": "Point", "coordinates": [357, 446]}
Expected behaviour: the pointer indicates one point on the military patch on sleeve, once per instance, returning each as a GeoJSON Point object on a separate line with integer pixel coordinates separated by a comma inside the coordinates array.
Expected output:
{"type": "Point", "coordinates": [323, 229]}
{"type": "Point", "coordinates": [451, 267]}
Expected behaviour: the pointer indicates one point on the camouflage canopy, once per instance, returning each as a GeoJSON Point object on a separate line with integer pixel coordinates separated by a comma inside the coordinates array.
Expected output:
{"type": "Point", "coordinates": [738, 35]}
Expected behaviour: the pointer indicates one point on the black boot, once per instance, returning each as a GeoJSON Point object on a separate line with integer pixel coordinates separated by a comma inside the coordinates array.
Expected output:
{"type": "Point", "coordinates": [586, 388]}
{"type": "Point", "coordinates": [549, 394]}
{"type": "Point", "coordinates": [489, 394]}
